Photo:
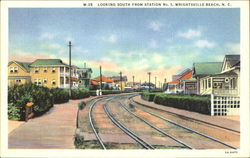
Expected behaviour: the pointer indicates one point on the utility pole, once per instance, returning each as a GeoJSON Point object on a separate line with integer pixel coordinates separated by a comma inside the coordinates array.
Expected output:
{"type": "Point", "coordinates": [69, 69]}
{"type": "Point", "coordinates": [155, 81]}
{"type": "Point", "coordinates": [100, 77]}
{"type": "Point", "coordinates": [133, 80]}
{"type": "Point", "coordinates": [121, 80]}
{"type": "Point", "coordinates": [149, 73]}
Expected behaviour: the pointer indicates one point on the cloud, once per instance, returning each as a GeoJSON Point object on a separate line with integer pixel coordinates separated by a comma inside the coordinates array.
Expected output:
{"type": "Point", "coordinates": [155, 25]}
{"type": "Point", "coordinates": [191, 33]}
{"type": "Point", "coordinates": [204, 44]}
{"type": "Point", "coordinates": [23, 56]}
{"type": "Point", "coordinates": [152, 44]}
{"type": "Point", "coordinates": [46, 36]}
{"type": "Point", "coordinates": [110, 38]}
{"type": "Point", "coordinates": [232, 47]}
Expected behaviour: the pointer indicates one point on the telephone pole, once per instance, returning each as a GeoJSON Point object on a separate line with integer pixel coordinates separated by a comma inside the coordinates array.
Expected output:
{"type": "Point", "coordinates": [100, 77]}
{"type": "Point", "coordinates": [133, 80]}
{"type": "Point", "coordinates": [155, 81]}
{"type": "Point", "coordinates": [149, 73]}
{"type": "Point", "coordinates": [121, 80]}
{"type": "Point", "coordinates": [69, 69]}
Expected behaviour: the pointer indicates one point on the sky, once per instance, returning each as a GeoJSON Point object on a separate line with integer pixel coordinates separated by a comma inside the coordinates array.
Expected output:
{"type": "Point", "coordinates": [163, 41]}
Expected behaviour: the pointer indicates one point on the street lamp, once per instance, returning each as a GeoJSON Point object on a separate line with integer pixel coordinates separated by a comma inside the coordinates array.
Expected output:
{"type": "Point", "coordinates": [149, 73]}
{"type": "Point", "coordinates": [70, 68]}
{"type": "Point", "coordinates": [155, 81]}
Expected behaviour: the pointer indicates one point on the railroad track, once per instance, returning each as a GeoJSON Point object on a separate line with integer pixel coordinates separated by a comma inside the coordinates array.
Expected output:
{"type": "Point", "coordinates": [130, 133]}
{"type": "Point", "coordinates": [90, 115]}
{"type": "Point", "coordinates": [174, 123]}
{"type": "Point", "coordinates": [185, 117]}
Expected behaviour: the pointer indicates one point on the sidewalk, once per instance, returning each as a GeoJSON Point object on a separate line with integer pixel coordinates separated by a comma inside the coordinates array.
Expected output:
{"type": "Point", "coordinates": [53, 130]}
{"type": "Point", "coordinates": [224, 121]}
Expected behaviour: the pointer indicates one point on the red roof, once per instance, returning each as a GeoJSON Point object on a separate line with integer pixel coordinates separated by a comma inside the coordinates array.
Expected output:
{"type": "Point", "coordinates": [93, 82]}
{"type": "Point", "coordinates": [186, 76]}
{"type": "Point", "coordinates": [104, 79]}
{"type": "Point", "coordinates": [175, 82]}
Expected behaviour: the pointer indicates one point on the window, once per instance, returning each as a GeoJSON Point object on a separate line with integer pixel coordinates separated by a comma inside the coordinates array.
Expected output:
{"type": "Point", "coordinates": [39, 82]}
{"type": "Point", "coordinates": [11, 69]}
{"type": "Point", "coordinates": [53, 82]}
{"type": "Point", "coordinates": [209, 83]}
{"type": "Point", "coordinates": [45, 80]}
{"type": "Point", "coordinates": [18, 81]}
{"type": "Point", "coordinates": [36, 70]}
{"type": "Point", "coordinates": [15, 69]}
{"type": "Point", "coordinates": [53, 70]}
{"type": "Point", "coordinates": [45, 70]}
{"type": "Point", "coordinates": [35, 81]}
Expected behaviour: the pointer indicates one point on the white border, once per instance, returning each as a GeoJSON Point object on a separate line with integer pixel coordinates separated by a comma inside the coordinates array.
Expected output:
{"type": "Point", "coordinates": [242, 152]}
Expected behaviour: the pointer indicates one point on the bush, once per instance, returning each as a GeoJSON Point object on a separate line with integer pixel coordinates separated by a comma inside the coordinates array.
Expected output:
{"type": "Point", "coordinates": [60, 95]}
{"type": "Point", "coordinates": [79, 140]}
{"type": "Point", "coordinates": [148, 96]}
{"type": "Point", "coordinates": [79, 93]}
{"type": "Point", "coordinates": [192, 103]}
{"type": "Point", "coordinates": [20, 95]}
{"type": "Point", "coordinates": [81, 105]}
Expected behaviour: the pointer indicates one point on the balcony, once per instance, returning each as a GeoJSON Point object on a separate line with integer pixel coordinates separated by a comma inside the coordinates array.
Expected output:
{"type": "Point", "coordinates": [226, 92]}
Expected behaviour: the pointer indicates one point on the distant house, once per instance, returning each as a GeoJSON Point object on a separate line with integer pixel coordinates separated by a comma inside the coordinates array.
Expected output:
{"type": "Point", "coordinates": [118, 81]}
{"type": "Point", "coordinates": [203, 69]}
{"type": "Point", "coordinates": [106, 81]}
{"type": "Point", "coordinates": [226, 82]}
{"type": "Point", "coordinates": [182, 83]}
{"type": "Point", "coordinates": [84, 77]}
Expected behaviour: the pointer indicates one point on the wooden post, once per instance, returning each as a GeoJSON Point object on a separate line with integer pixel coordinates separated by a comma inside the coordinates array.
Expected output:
{"type": "Point", "coordinates": [28, 111]}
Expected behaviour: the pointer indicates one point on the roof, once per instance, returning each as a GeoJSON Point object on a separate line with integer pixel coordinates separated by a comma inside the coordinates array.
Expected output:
{"type": "Point", "coordinates": [174, 82]}
{"type": "Point", "coordinates": [48, 62]}
{"type": "Point", "coordinates": [185, 75]}
{"type": "Point", "coordinates": [207, 68]}
{"type": "Point", "coordinates": [228, 73]}
{"type": "Point", "coordinates": [24, 65]}
{"type": "Point", "coordinates": [93, 82]}
{"type": "Point", "coordinates": [117, 78]}
{"type": "Point", "coordinates": [84, 70]}
{"type": "Point", "coordinates": [232, 59]}
{"type": "Point", "coordinates": [104, 79]}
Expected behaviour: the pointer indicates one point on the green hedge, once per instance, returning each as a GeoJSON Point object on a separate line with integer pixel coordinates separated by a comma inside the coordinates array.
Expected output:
{"type": "Point", "coordinates": [19, 96]}
{"type": "Point", "coordinates": [192, 103]}
{"type": "Point", "coordinates": [60, 95]}
{"type": "Point", "coordinates": [148, 96]}
{"type": "Point", "coordinates": [79, 93]}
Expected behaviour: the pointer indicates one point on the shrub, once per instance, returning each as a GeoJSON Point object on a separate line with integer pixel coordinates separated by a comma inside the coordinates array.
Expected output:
{"type": "Point", "coordinates": [148, 96]}
{"type": "Point", "coordinates": [81, 105]}
{"type": "Point", "coordinates": [60, 95]}
{"type": "Point", "coordinates": [192, 103]}
{"type": "Point", "coordinates": [79, 140]}
{"type": "Point", "coordinates": [19, 95]}
{"type": "Point", "coordinates": [79, 93]}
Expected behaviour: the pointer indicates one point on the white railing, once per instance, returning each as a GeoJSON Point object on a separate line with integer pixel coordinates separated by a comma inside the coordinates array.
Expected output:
{"type": "Point", "coordinates": [64, 86]}
{"type": "Point", "coordinates": [62, 74]}
{"type": "Point", "coordinates": [225, 105]}
{"type": "Point", "coordinates": [226, 92]}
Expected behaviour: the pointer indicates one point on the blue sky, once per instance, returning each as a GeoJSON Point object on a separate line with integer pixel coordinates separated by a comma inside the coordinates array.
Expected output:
{"type": "Point", "coordinates": [164, 41]}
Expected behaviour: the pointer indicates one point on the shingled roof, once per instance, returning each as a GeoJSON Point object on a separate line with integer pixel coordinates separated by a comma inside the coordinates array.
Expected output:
{"type": "Point", "coordinates": [48, 62]}
{"type": "Point", "coordinates": [207, 68]}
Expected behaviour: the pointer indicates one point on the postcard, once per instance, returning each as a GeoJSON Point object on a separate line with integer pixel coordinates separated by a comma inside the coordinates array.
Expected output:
{"type": "Point", "coordinates": [124, 78]}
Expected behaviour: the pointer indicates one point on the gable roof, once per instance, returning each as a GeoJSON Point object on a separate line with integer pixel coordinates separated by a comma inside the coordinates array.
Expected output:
{"type": "Point", "coordinates": [207, 68]}
{"type": "Point", "coordinates": [24, 65]}
{"type": "Point", "coordinates": [117, 78]}
{"type": "Point", "coordinates": [48, 62]}
{"type": "Point", "coordinates": [104, 79]}
{"type": "Point", "coordinates": [231, 60]}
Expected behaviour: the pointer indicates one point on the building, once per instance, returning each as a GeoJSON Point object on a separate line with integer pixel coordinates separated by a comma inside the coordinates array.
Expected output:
{"type": "Point", "coordinates": [203, 69]}
{"type": "Point", "coordinates": [119, 81]}
{"type": "Point", "coordinates": [226, 82]}
{"type": "Point", "coordinates": [84, 77]}
{"type": "Point", "coordinates": [182, 83]}
{"type": "Point", "coordinates": [107, 83]}
{"type": "Point", "coordinates": [52, 73]}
